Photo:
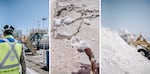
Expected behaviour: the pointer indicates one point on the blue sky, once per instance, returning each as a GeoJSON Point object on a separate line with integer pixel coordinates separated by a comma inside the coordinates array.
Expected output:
{"type": "Point", "coordinates": [133, 15]}
{"type": "Point", "coordinates": [24, 14]}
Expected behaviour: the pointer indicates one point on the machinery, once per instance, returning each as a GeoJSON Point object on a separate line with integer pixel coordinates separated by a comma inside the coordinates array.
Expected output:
{"type": "Point", "coordinates": [144, 46]}
{"type": "Point", "coordinates": [29, 45]}
{"type": "Point", "coordinates": [32, 43]}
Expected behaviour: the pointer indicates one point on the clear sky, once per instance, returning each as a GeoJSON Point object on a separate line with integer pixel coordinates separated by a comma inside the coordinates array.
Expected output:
{"type": "Point", "coordinates": [24, 14]}
{"type": "Point", "coordinates": [133, 15]}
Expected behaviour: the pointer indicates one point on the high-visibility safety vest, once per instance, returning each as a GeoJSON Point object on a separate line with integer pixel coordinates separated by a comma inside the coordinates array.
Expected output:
{"type": "Point", "coordinates": [10, 52]}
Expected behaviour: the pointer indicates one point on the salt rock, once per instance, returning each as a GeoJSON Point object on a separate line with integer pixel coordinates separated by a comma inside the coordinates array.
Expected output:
{"type": "Point", "coordinates": [67, 20]}
{"type": "Point", "coordinates": [86, 21]}
{"type": "Point", "coordinates": [57, 22]}
{"type": "Point", "coordinates": [82, 45]}
{"type": "Point", "coordinates": [93, 39]}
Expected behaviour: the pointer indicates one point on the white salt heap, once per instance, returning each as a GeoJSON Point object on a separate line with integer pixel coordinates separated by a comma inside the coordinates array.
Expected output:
{"type": "Point", "coordinates": [118, 57]}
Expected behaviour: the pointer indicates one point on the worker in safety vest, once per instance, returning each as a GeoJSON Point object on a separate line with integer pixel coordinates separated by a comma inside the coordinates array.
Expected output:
{"type": "Point", "coordinates": [11, 54]}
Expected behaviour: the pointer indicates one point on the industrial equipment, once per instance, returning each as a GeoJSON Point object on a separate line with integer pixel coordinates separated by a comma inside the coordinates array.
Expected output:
{"type": "Point", "coordinates": [32, 42]}
{"type": "Point", "coordinates": [144, 48]}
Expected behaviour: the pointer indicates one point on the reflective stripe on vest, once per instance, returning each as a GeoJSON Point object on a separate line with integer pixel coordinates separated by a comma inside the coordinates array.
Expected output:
{"type": "Point", "coordinates": [11, 50]}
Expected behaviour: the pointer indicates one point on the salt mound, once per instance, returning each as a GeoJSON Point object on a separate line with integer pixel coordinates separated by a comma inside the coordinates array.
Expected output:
{"type": "Point", "coordinates": [127, 36]}
{"type": "Point", "coordinates": [117, 57]}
